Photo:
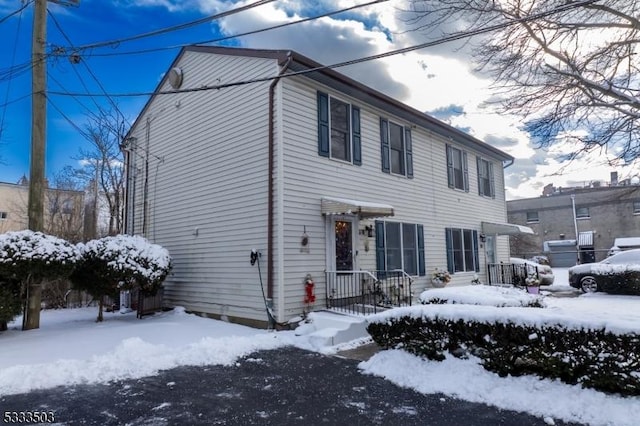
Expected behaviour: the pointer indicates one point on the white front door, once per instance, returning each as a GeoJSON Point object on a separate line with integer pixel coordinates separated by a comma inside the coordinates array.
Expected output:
{"type": "Point", "coordinates": [343, 234]}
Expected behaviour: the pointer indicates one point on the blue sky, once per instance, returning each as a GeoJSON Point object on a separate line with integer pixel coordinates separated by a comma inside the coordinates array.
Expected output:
{"type": "Point", "coordinates": [439, 80]}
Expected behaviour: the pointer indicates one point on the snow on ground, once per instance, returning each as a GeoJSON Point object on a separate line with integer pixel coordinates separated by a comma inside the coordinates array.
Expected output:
{"type": "Point", "coordinates": [71, 348]}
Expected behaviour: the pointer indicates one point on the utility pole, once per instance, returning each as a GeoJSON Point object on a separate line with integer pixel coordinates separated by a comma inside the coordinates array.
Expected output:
{"type": "Point", "coordinates": [35, 208]}
{"type": "Point", "coordinates": [38, 116]}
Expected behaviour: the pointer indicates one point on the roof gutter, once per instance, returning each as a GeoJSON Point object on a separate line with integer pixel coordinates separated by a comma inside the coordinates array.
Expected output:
{"type": "Point", "coordinates": [271, 195]}
{"type": "Point", "coordinates": [509, 164]}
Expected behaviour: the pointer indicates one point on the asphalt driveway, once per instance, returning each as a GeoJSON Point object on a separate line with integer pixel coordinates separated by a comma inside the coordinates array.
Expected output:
{"type": "Point", "coordinates": [280, 387]}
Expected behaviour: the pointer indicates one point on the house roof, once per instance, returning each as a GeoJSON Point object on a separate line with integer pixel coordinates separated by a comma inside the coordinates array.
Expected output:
{"type": "Point", "coordinates": [351, 87]}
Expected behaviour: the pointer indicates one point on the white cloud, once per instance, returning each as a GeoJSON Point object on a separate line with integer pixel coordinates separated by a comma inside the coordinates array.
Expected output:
{"type": "Point", "coordinates": [427, 79]}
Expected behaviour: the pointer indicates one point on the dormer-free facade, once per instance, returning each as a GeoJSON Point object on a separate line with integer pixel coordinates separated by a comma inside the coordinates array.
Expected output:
{"type": "Point", "coordinates": [243, 151]}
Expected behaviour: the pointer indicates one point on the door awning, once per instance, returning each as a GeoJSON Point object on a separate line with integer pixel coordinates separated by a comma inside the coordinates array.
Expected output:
{"type": "Point", "coordinates": [493, 228]}
{"type": "Point", "coordinates": [364, 209]}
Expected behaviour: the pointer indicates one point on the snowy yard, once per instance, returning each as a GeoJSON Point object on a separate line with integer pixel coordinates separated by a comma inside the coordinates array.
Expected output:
{"type": "Point", "coordinates": [71, 348]}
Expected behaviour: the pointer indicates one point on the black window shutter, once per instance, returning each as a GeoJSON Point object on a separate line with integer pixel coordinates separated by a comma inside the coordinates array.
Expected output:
{"type": "Point", "coordinates": [479, 167]}
{"type": "Point", "coordinates": [449, 166]}
{"type": "Point", "coordinates": [449, 244]}
{"type": "Point", "coordinates": [323, 124]}
{"type": "Point", "coordinates": [476, 259]}
{"type": "Point", "coordinates": [384, 140]}
{"type": "Point", "coordinates": [465, 166]}
{"type": "Point", "coordinates": [492, 181]}
{"type": "Point", "coordinates": [355, 136]}
{"type": "Point", "coordinates": [421, 265]}
{"type": "Point", "coordinates": [380, 256]}
{"type": "Point", "coordinates": [409, 147]}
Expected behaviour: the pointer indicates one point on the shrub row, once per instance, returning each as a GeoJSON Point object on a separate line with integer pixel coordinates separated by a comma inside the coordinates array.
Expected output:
{"type": "Point", "coordinates": [596, 359]}
{"type": "Point", "coordinates": [101, 267]}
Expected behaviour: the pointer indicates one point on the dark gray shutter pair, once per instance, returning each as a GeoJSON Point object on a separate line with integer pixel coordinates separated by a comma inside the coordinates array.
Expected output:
{"type": "Point", "coordinates": [381, 263]}
{"type": "Point", "coordinates": [385, 150]}
{"type": "Point", "coordinates": [450, 171]}
{"type": "Point", "coordinates": [449, 248]}
{"type": "Point", "coordinates": [492, 184]}
{"type": "Point", "coordinates": [324, 131]}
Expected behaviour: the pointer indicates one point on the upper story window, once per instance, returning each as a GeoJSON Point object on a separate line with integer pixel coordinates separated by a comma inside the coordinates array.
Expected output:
{"type": "Point", "coordinates": [338, 130]}
{"type": "Point", "coordinates": [457, 169]}
{"type": "Point", "coordinates": [3, 215]}
{"type": "Point", "coordinates": [396, 148]}
{"type": "Point", "coordinates": [486, 181]}
{"type": "Point", "coordinates": [532, 217]}
{"type": "Point", "coordinates": [636, 207]}
{"type": "Point", "coordinates": [582, 213]}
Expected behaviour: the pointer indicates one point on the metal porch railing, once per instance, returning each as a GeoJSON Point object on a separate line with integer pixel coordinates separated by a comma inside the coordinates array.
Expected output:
{"type": "Point", "coordinates": [510, 274]}
{"type": "Point", "coordinates": [367, 292]}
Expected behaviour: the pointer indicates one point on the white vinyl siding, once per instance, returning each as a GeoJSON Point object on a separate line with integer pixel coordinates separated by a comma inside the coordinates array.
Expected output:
{"type": "Point", "coordinates": [207, 185]}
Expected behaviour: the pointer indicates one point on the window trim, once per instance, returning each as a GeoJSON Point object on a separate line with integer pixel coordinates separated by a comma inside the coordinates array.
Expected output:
{"type": "Point", "coordinates": [385, 150]}
{"type": "Point", "coordinates": [382, 260]}
{"type": "Point", "coordinates": [451, 250]}
{"type": "Point", "coordinates": [451, 169]}
{"type": "Point", "coordinates": [582, 217]}
{"type": "Point", "coordinates": [324, 129]}
{"type": "Point", "coordinates": [536, 220]}
{"type": "Point", "coordinates": [491, 178]}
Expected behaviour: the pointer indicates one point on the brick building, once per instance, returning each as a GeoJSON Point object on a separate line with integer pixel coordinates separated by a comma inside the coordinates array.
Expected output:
{"type": "Point", "coordinates": [578, 223]}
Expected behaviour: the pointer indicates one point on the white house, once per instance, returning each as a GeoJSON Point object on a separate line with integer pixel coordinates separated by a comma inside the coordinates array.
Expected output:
{"type": "Point", "coordinates": [324, 177]}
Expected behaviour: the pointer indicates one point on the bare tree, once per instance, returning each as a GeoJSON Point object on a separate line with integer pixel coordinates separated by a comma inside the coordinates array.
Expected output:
{"type": "Point", "coordinates": [103, 170]}
{"type": "Point", "coordinates": [572, 74]}
{"type": "Point", "coordinates": [65, 206]}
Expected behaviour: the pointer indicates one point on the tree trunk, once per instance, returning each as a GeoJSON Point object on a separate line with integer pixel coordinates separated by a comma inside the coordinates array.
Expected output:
{"type": "Point", "coordinates": [100, 304]}
{"type": "Point", "coordinates": [3, 326]}
{"type": "Point", "coordinates": [31, 319]}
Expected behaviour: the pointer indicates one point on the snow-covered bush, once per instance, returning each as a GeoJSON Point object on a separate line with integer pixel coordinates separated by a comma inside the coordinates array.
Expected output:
{"type": "Point", "coordinates": [34, 255]}
{"type": "Point", "coordinates": [512, 341]}
{"type": "Point", "coordinates": [121, 262]}
{"type": "Point", "coordinates": [481, 295]}
{"type": "Point", "coordinates": [33, 258]}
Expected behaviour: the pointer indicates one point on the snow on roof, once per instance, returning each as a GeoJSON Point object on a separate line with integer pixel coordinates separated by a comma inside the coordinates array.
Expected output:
{"type": "Point", "coordinates": [627, 242]}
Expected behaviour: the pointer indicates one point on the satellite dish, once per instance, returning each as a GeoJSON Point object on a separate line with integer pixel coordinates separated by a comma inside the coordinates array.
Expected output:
{"type": "Point", "coordinates": [175, 77]}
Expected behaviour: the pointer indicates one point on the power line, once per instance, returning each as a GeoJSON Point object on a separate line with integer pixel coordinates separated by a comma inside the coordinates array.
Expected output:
{"type": "Point", "coordinates": [13, 59]}
{"type": "Point", "coordinates": [261, 30]}
{"type": "Point", "coordinates": [176, 27]}
{"type": "Point", "coordinates": [24, 6]}
{"type": "Point", "coordinates": [95, 78]}
{"type": "Point", "coordinates": [454, 37]}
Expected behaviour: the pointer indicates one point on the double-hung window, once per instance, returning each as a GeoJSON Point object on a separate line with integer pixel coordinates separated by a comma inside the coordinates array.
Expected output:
{"type": "Point", "coordinates": [462, 250]}
{"type": "Point", "coordinates": [582, 213]}
{"type": "Point", "coordinates": [636, 207]}
{"type": "Point", "coordinates": [457, 169]}
{"type": "Point", "coordinates": [338, 130]}
{"type": "Point", "coordinates": [532, 217]}
{"type": "Point", "coordinates": [396, 148]}
{"type": "Point", "coordinates": [400, 246]}
{"type": "Point", "coordinates": [486, 183]}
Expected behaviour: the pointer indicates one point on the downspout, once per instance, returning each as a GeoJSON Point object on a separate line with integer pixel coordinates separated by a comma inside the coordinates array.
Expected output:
{"type": "Point", "coordinates": [271, 196]}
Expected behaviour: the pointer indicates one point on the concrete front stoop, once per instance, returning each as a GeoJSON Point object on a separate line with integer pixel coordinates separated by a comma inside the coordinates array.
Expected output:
{"type": "Point", "coordinates": [325, 328]}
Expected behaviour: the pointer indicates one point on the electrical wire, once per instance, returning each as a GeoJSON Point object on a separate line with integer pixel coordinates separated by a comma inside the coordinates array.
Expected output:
{"type": "Point", "coordinates": [229, 37]}
{"type": "Point", "coordinates": [454, 37]}
{"type": "Point", "coordinates": [95, 78]}
{"type": "Point", "coordinates": [13, 60]}
{"type": "Point", "coordinates": [176, 27]}
{"type": "Point", "coordinates": [24, 6]}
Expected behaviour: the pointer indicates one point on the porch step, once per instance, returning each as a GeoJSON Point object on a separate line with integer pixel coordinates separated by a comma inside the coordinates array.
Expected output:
{"type": "Point", "coordinates": [330, 329]}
